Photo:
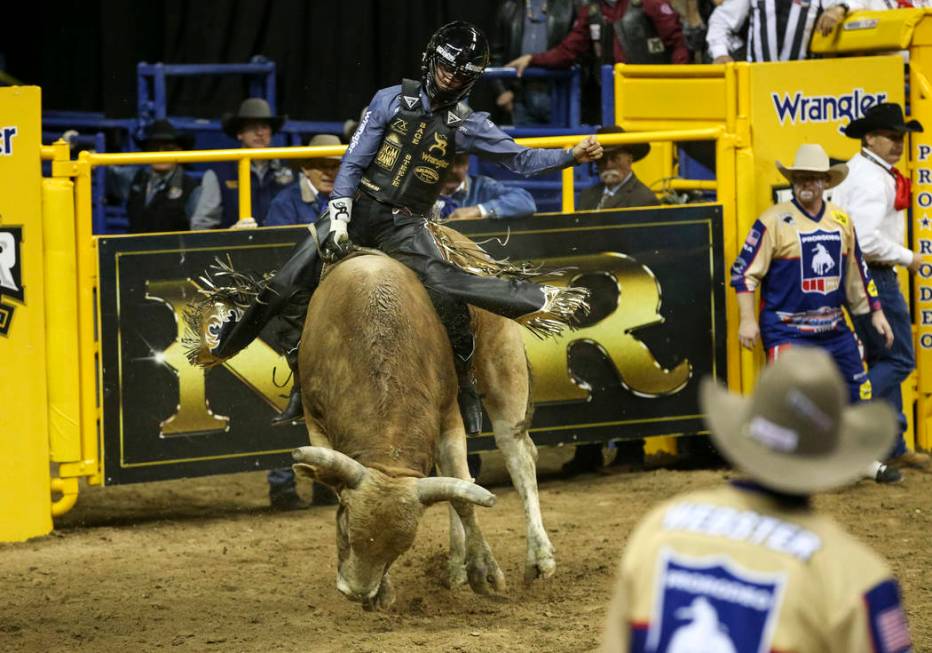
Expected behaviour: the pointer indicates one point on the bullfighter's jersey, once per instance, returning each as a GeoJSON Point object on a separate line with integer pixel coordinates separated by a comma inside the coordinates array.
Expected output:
{"type": "Point", "coordinates": [807, 268]}
{"type": "Point", "coordinates": [735, 570]}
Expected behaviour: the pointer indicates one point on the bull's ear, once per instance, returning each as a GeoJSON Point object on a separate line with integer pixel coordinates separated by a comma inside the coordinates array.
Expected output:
{"type": "Point", "coordinates": [305, 470]}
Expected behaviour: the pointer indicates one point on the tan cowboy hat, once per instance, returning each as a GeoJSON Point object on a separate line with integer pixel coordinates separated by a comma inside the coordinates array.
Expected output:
{"type": "Point", "coordinates": [319, 140]}
{"type": "Point", "coordinates": [812, 158]}
{"type": "Point", "coordinates": [797, 434]}
{"type": "Point", "coordinates": [254, 109]}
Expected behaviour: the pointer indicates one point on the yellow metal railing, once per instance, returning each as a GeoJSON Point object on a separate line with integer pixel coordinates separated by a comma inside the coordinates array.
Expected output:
{"type": "Point", "coordinates": [84, 244]}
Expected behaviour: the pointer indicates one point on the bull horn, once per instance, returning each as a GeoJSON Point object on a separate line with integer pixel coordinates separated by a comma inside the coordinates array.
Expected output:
{"type": "Point", "coordinates": [447, 488]}
{"type": "Point", "coordinates": [339, 464]}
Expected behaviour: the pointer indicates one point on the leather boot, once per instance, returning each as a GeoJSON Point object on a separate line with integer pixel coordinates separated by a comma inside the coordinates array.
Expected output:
{"type": "Point", "coordinates": [455, 317]}
{"type": "Point", "coordinates": [290, 340]}
{"type": "Point", "coordinates": [468, 398]}
{"type": "Point", "coordinates": [294, 411]}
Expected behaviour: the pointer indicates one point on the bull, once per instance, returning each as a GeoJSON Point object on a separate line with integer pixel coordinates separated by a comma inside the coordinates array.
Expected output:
{"type": "Point", "coordinates": [379, 391]}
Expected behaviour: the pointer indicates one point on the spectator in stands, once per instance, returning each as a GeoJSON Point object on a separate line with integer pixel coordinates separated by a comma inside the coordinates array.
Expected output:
{"type": "Point", "coordinates": [306, 198]}
{"type": "Point", "coordinates": [608, 32]}
{"type": "Point", "coordinates": [774, 31]}
{"type": "Point", "coordinates": [464, 197]}
{"type": "Point", "coordinates": [876, 196]}
{"type": "Point", "coordinates": [694, 15]}
{"type": "Point", "coordinates": [528, 27]}
{"type": "Point", "coordinates": [253, 126]}
{"type": "Point", "coordinates": [616, 31]}
{"type": "Point", "coordinates": [160, 197]}
{"type": "Point", "coordinates": [618, 188]}
{"type": "Point", "coordinates": [805, 258]}
{"type": "Point", "coordinates": [750, 565]}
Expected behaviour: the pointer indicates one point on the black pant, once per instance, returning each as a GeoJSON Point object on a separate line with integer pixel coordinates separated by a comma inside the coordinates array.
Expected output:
{"type": "Point", "coordinates": [408, 240]}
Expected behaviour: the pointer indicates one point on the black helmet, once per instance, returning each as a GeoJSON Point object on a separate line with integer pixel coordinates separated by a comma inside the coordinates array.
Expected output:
{"type": "Point", "coordinates": [462, 48]}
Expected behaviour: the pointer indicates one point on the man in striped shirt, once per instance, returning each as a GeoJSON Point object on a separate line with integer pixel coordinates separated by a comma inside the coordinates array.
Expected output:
{"type": "Point", "coordinates": [777, 30]}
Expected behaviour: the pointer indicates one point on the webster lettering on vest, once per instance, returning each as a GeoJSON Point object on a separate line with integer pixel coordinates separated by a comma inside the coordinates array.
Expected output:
{"type": "Point", "coordinates": [743, 526]}
{"type": "Point", "coordinates": [799, 108]}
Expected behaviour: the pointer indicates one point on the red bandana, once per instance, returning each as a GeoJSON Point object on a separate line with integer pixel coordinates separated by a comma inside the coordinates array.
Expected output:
{"type": "Point", "coordinates": [903, 190]}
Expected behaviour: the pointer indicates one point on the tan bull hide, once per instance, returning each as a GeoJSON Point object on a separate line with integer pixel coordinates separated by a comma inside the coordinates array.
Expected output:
{"type": "Point", "coordinates": [379, 388]}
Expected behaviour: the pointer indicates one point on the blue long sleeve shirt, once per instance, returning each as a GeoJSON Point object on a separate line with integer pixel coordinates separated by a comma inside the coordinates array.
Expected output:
{"type": "Point", "coordinates": [477, 135]}
{"type": "Point", "coordinates": [495, 199]}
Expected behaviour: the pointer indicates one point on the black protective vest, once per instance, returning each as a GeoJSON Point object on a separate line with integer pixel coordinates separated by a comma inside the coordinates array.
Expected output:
{"type": "Point", "coordinates": [415, 154]}
{"type": "Point", "coordinates": [166, 211]}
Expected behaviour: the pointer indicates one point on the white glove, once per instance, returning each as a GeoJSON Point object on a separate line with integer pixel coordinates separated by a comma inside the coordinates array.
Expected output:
{"type": "Point", "coordinates": [245, 223]}
{"type": "Point", "coordinates": [338, 238]}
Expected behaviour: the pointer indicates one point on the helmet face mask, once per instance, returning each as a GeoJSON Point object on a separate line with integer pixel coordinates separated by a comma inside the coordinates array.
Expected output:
{"type": "Point", "coordinates": [453, 60]}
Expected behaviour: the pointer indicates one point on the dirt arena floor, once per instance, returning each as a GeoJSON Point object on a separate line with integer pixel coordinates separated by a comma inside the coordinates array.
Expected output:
{"type": "Point", "coordinates": [204, 565]}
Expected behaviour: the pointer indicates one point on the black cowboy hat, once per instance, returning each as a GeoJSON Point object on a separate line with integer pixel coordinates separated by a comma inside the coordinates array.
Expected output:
{"type": "Point", "coordinates": [881, 116]}
{"type": "Point", "coordinates": [162, 131]}
{"type": "Point", "coordinates": [637, 150]}
{"type": "Point", "coordinates": [253, 109]}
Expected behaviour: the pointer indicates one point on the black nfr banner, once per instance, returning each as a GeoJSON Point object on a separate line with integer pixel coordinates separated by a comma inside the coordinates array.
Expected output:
{"type": "Point", "coordinates": [657, 326]}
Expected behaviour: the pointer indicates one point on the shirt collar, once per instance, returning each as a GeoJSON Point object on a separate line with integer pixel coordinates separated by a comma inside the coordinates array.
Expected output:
{"type": "Point", "coordinates": [873, 158]}
{"type": "Point", "coordinates": [308, 192]}
{"type": "Point", "coordinates": [617, 187]}
{"type": "Point", "coordinates": [816, 217]}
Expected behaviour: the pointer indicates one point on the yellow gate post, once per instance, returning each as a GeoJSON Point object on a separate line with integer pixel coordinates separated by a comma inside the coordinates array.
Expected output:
{"type": "Point", "coordinates": [25, 507]}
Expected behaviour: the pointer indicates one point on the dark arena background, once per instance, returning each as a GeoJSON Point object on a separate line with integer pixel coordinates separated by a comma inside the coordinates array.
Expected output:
{"type": "Point", "coordinates": [331, 56]}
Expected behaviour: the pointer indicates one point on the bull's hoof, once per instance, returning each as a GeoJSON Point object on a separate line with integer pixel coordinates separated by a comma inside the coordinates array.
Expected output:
{"type": "Point", "coordinates": [485, 576]}
{"type": "Point", "coordinates": [456, 575]}
{"type": "Point", "coordinates": [539, 568]}
{"type": "Point", "coordinates": [383, 599]}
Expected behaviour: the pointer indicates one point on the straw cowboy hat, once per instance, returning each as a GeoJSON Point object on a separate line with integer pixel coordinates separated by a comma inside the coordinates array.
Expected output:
{"type": "Point", "coordinates": [251, 110]}
{"type": "Point", "coordinates": [319, 140]}
{"type": "Point", "coordinates": [797, 434]}
{"type": "Point", "coordinates": [637, 150]}
{"type": "Point", "coordinates": [161, 132]}
{"type": "Point", "coordinates": [882, 116]}
{"type": "Point", "coordinates": [812, 158]}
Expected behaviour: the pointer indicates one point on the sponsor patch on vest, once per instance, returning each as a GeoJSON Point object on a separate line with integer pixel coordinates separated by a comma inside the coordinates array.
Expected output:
{"type": "Point", "coordinates": [453, 119]}
{"type": "Point", "coordinates": [439, 144]}
{"type": "Point", "coordinates": [365, 181]}
{"type": "Point", "coordinates": [427, 175]}
{"type": "Point", "coordinates": [713, 605]}
{"type": "Point", "coordinates": [820, 261]}
{"type": "Point", "coordinates": [387, 156]}
{"type": "Point", "coordinates": [400, 125]}
{"type": "Point", "coordinates": [11, 274]}
{"type": "Point", "coordinates": [409, 101]}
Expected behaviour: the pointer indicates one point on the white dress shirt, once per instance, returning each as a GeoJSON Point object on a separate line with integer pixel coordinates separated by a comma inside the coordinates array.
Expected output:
{"type": "Point", "coordinates": [867, 194]}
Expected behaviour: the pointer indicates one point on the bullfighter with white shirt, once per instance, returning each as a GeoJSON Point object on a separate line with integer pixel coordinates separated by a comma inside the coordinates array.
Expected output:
{"type": "Point", "coordinates": [876, 195]}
